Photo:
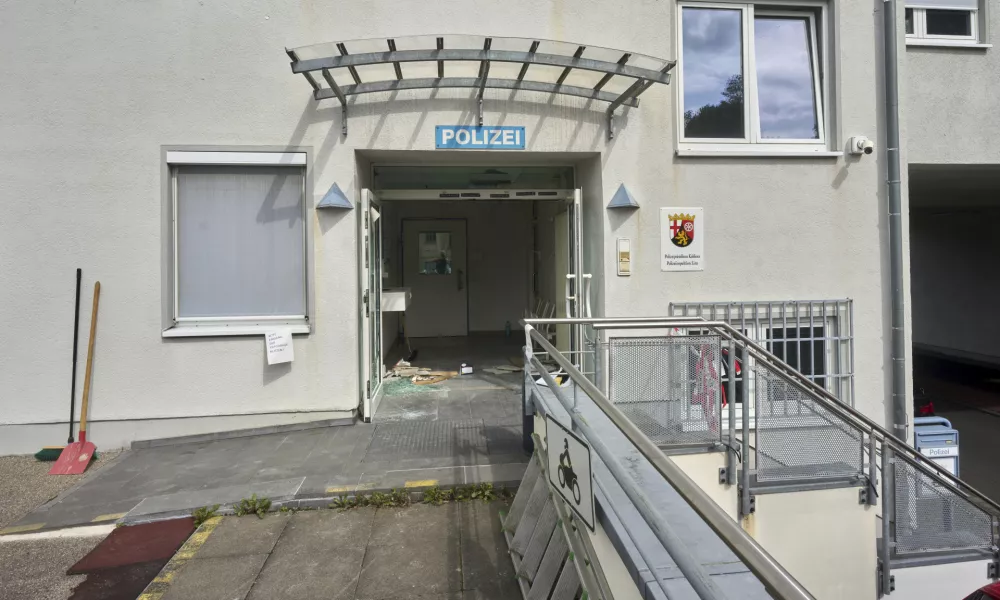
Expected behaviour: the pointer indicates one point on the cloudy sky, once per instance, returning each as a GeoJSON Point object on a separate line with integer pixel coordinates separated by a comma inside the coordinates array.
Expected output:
{"type": "Point", "coordinates": [712, 54]}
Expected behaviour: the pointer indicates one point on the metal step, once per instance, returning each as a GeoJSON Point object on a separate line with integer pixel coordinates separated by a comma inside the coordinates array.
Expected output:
{"type": "Point", "coordinates": [532, 557]}
{"type": "Point", "coordinates": [526, 526]}
{"type": "Point", "coordinates": [552, 563]}
{"type": "Point", "coordinates": [547, 546]}
{"type": "Point", "coordinates": [568, 587]}
{"type": "Point", "coordinates": [523, 494]}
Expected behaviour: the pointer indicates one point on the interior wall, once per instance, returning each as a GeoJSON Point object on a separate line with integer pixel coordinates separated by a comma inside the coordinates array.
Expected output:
{"type": "Point", "coordinates": [499, 240]}
{"type": "Point", "coordinates": [952, 257]}
{"type": "Point", "coordinates": [547, 278]}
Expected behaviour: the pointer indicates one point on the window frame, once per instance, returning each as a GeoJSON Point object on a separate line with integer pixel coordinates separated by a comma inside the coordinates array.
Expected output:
{"type": "Point", "coordinates": [753, 142]}
{"type": "Point", "coordinates": [173, 325]}
{"type": "Point", "coordinates": [921, 37]}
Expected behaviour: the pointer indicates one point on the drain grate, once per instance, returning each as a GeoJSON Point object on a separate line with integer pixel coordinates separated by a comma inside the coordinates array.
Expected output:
{"type": "Point", "coordinates": [426, 439]}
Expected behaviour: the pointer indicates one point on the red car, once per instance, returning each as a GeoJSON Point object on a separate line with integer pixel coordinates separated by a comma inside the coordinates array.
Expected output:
{"type": "Point", "coordinates": [989, 592]}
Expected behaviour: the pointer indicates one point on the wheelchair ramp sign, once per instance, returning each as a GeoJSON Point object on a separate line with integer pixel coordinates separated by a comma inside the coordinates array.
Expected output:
{"type": "Point", "coordinates": [569, 469]}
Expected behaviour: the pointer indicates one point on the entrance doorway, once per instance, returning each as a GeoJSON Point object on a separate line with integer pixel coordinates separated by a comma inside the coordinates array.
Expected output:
{"type": "Point", "coordinates": [471, 259]}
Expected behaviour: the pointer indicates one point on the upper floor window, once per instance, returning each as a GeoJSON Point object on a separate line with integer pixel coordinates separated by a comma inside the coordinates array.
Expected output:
{"type": "Point", "coordinates": [751, 78]}
{"type": "Point", "coordinates": [942, 22]}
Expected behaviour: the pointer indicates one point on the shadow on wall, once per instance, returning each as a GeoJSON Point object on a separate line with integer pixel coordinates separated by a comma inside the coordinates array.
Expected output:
{"type": "Point", "coordinates": [589, 113]}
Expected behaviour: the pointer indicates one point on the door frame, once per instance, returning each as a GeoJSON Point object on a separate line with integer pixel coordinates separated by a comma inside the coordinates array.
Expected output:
{"type": "Point", "coordinates": [402, 258]}
{"type": "Point", "coordinates": [370, 325]}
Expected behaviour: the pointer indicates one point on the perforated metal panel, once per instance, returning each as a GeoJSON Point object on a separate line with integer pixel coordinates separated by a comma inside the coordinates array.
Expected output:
{"type": "Point", "coordinates": [798, 439]}
{"type": "Point", "coordinates": [670, 387]}
{"type": "Point", "coordinates": [929, 517]}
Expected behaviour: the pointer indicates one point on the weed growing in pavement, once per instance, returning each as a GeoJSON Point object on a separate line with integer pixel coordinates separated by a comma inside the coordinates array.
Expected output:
{"type": "Point", "coordinates": [466, 493]}
{"type": "Point", "coordinates": [295, 509]}
{"type": "Point", "coordinates": [253, 506]}
{"type": "Point", "coordinates": [203, 514]}
{"type": "Point", "coordinates": [484, 492]}
{"type": "Point", "coordinates": [376, 499]}
{"type": "Point", "coordinates": [436, 495]}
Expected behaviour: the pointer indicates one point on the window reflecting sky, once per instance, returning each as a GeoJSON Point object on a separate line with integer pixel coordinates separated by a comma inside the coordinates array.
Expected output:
{"type": "Point", "coordinates": [785, 92]}
{"type": "Point", "coordinates": [712, 54]}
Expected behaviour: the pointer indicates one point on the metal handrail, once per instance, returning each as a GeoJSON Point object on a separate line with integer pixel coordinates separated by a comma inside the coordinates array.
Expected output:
{"type": "Point", "coordinates": [827, 399]}
{"type": "Point", "coordinates": [774, 577]}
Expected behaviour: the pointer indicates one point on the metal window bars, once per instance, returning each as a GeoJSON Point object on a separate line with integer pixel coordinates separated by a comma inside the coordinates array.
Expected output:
{"type": "Point", "coordinates": [804, 435]}
{"type": "Point", "coordinates": [478, 62]}
{"type": "Point", "coordinates": [816, 337]}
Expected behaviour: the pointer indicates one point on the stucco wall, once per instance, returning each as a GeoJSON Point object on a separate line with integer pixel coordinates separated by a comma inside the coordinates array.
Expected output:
{"type": "Point", "coordinates": [87, 105]}
{"type": "Point", "coordinates": [950, 98]}
{"type": "Point", "coordinates": [792, 526]}
{"type": "Point", "coordinates": [703, 468]}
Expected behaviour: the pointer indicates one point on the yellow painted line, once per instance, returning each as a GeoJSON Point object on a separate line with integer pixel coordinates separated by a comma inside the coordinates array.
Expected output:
{"type": "Point", "coordinates": [159, 586]}
{"type": "Point", "coordinates": [421, 483]}
{"type": "Point", "coordinates": [340, 489]}
{"type": "Point", "coordinates": [108, 517]}
{"type": "Point", "coordinates": [365, 486]}
{"type": "Point", "coordinates": [22, 528]}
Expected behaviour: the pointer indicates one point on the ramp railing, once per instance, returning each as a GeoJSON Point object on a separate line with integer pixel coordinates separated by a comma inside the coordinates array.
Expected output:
{"type": "Point", "coordinates": [688, 384]}
{"type": "Point", "coordinates": [779, 583]}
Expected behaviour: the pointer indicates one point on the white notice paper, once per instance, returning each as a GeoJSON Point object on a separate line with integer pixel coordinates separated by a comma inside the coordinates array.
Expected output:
{"type": "Point", "coordinates": [682, 239]}
{"type": "Point", "coordinates": [278, 344]}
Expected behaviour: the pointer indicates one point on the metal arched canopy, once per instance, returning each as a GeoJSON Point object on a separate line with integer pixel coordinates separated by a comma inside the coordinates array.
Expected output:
{"type": "Point", "coordinates": [354, 67]}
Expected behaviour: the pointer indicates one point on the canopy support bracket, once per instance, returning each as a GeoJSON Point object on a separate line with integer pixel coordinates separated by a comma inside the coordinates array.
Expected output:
{"type": "Point", "coordinates": [484, 73]}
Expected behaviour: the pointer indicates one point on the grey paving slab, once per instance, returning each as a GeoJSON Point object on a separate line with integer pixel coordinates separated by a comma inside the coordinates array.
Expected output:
{"type": "Point", "coordinates": [222, 578]}
{"type": "Point", "coordinates": [238, 536]}
{"type": "Point", "coordinates": [403, 570]}
{"type": "Point", "coordinates": [296, 572]}
{"type": "Point", "coordinates": [454, 409]}
{"type": "Point", "coordinates": [419, 526]}
{"type": "Point", "coordinates": [183, 501]}
{"type": "Point", "coordinates": [325, 531]}
{"type": "Point", "coordinates": [488, 410]}
{"type": "Point", "coordinates": [486, 564]}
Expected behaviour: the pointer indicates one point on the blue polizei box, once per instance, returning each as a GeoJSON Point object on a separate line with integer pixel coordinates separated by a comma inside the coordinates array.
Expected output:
{"type": "Point", "coordinates": [935, 438]}
{"type": "Point", "coordinates": [472, 137]}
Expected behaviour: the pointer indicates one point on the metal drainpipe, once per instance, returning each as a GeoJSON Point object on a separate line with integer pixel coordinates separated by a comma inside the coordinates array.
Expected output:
{"type": "Point", "coordinates": [899, 413]}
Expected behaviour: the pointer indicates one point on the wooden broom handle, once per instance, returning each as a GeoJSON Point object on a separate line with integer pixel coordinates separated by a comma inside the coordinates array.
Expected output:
{"type": "Point", "coordinates": [90, 359]}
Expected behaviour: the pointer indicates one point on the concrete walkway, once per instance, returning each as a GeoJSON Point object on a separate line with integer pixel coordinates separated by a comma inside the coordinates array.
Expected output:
{"type": "Point", "coordinates": [421, 551]}
{"type": "Point", "coordinates": [473, 437]}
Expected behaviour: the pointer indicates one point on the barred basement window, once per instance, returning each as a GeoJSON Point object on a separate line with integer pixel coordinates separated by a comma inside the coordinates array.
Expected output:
{"type": "Point", "coordinates": [816, 337]}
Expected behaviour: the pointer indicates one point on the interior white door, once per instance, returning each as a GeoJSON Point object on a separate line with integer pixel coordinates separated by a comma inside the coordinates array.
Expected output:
{"type": "Point", "coordinates": [370, 284]}
{"type": "Point", "coordinates": [435, 270]}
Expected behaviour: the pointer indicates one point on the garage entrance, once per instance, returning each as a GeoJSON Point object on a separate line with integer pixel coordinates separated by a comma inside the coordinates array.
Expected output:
{"type": "Point", "coordinates": [454, 257]}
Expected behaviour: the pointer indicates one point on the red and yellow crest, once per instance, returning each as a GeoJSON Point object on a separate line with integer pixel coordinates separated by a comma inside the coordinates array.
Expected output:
{"type": "Point", "coordinates": [681, 229]}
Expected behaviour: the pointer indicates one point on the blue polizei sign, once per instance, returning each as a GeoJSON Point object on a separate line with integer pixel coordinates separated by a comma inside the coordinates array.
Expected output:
{"type": "Point", "coordinates": [471, 137]}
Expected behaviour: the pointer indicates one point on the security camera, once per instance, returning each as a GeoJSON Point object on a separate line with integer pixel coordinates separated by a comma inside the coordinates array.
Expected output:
{"type": "Point", "coordinates": [859, 144]}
